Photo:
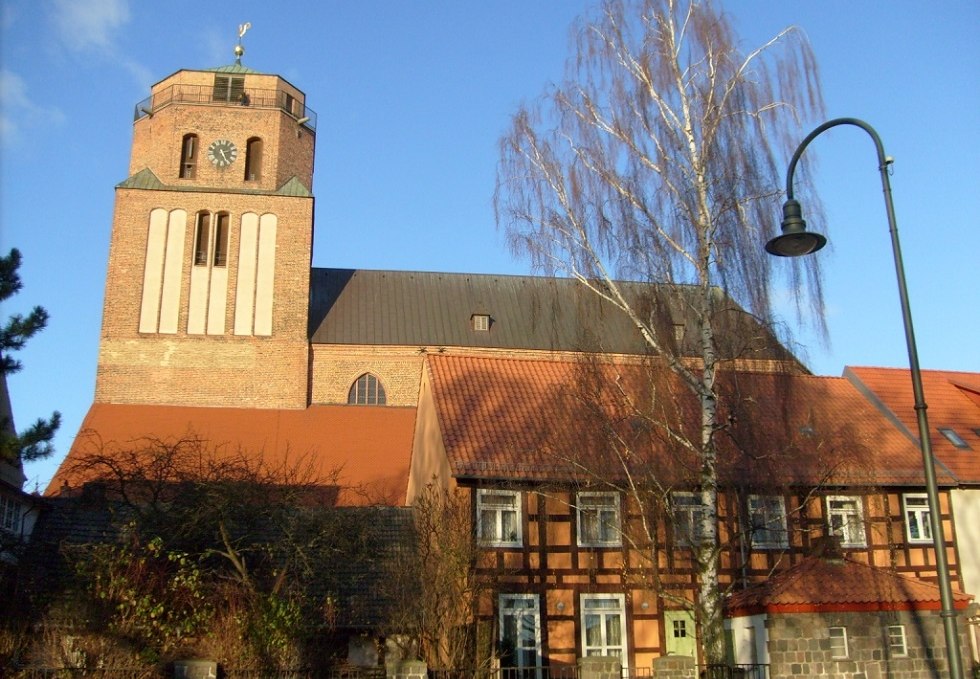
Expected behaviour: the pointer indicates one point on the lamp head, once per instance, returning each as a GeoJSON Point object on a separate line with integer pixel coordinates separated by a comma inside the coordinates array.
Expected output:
{"type": "Point", "coordinates": [795, 239]}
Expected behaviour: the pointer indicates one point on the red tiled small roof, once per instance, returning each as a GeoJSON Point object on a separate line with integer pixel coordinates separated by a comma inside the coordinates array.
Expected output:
{"type": "Point", "coordinates": [952, 400]}
{"type": "Point", "coordinates": [819, 584]}
{"type": "Point", "coordinates": [537, 420]}
{"type": "Point", "coordinates": [364, 449]}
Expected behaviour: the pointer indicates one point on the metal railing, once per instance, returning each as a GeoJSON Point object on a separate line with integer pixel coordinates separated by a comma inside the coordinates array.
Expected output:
{"type": "Point", "coordinates": [351, 672]}
{"type": "Point", "coordinates": [733, 671]}
{"type": "Point", "coordinates": [545, 672]}
{"type": "Point", "coordinates": [208, 95]}
{"type": "Point", "coordinates": [88, 673]}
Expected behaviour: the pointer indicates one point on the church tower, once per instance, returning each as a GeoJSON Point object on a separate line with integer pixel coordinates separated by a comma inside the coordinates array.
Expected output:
{"type": "Point", "coordinates": [207, 289]}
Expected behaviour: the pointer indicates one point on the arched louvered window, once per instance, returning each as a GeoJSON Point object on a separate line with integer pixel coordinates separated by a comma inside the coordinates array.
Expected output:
{"type": "Point", "coordinates": [211, 247]}
{"type": "Point", "coordinates": [367, 390]}
{"type": "Point", "coordinates": [221, 240]}
{"type": "Point", "coordinates": [202, 238]}
{"type": "Point", "coordinates": [253, 159]}
{"type": "Point", "coordinates": [188, 157]}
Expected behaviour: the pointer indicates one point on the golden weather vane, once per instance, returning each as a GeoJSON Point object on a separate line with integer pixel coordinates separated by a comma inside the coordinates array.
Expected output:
{"type": "Point", "coordinates": [239, 50]}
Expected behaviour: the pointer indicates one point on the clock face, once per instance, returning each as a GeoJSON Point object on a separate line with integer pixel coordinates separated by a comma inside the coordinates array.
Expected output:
{"type": "Point", "coordinates": [222, 153]}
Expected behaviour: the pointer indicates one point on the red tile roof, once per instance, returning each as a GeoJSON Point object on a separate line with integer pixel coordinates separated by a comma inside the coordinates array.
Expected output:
{"type": "Point", "coordinates": [365, 449]}
{"type": "Point", "coordinates": [952, 400]}
{"type": "Point", "coordinates": [818, 584]}
{"type": "Point", "coordinates": [547, 420]}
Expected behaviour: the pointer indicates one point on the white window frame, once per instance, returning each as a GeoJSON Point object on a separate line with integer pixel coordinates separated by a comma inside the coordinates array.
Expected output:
{"type": "Point", "coordinates": [915, 509]}
{"type": "Point", "coordinates": [525, 608]}
{"type": "Point", "coordinates": [838, 643]}
{"type": "Point", "coordinates": [769, 531]}
{"type": "Point", "coordinates": [602, 510]}
{"type": "Point", "coordinates": [606, 614]}
{"type": "Point", "coordinates": [687, 533]}
{"type": "Point", "coordinates": [851, 521]}
{"type": "Point", "coordinates": [481, 322]}
{"type": "Point", "coordinates": [367, 390]}
{"type": "Point", "coordinates": [11, 514]}
{"type": "Point", "coordinates": [897, 642]}
{"type": "Point", "coordinates": [497, 510]}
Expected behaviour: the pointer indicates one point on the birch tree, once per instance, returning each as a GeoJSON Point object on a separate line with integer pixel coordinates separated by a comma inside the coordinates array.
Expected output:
{"type": "Point", "coordinates": [658, 160]}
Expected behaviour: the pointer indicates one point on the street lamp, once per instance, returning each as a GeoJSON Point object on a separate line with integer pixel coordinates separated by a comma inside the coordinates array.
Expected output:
{"type": "Point", "coordinates": [796, 241]}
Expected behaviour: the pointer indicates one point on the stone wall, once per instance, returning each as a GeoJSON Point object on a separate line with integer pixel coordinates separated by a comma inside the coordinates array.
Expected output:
{"type": "Point", "coordinates": [600, 667]}
{"type": "Point", "coordinates": [674, 667]}
{"type": "Point", "coordinates": [800, 645]}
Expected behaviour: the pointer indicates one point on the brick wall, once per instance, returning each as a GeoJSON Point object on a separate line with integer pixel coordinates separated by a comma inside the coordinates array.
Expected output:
{"type": "Point", "coordinates": [224, 370]}
{"type": "Point", "coordinates": [335, 367]}
{"type": "Point", "coordinates": [216, 369]}
{"type": "Point", "coordinates": [288, 148]}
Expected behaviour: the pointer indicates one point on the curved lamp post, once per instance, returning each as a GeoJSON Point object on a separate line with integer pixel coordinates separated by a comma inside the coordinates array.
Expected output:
{"type": "Point", "coordinates": [796, 241]}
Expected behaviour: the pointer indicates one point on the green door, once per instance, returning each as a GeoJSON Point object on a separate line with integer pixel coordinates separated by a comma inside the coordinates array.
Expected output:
{"type": "Point", "coordinates": [681, 639]}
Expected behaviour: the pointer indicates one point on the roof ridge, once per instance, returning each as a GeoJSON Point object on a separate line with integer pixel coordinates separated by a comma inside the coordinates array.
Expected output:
{"type": "Point", "coordinates": [529, 276]}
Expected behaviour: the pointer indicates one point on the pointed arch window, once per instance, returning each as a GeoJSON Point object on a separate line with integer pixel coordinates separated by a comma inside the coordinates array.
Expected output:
{"type": "Point", "coordinates": [188, 157]}
{"type": "Point", "coordinates": [367, 390]}
{"type": "Point", "coordinates": [253, 159]}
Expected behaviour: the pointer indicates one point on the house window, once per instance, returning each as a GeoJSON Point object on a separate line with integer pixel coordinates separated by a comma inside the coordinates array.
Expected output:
{"type": "Point", "coordinates": [954, 438]}
{"type": "Point", "coordinates": [498, 515]}
{"type": "Point", "coordinates": [188, 157]}
{"type": "Point", "coordinates": [367, 390]}
{"type": "Point", "coordinates": [897, 646]}
{"type": "Point", "coordinates": [598, 519]}
{"type": "Point", "coordinates": [228, 88]}
{"type": "Point", "coordinates": [679, 629]}
{"type": "Point", "coordinates": [9, 514]}
{"type": "Point", "coordinates": [845, 516]}
{"type": "Point", "coordinates": [481, 322]}
{"type": "Point", "coordinates": [253, 159]}
{"type": "Point", "coordinates": [603, 624]}
{"type": "Point", "coordinates": [520, 633]}
{"type": "Point", "coordinates": [917, 520]}
{"type": "Point", "coordinates": [688, 517]}
{"type": "Point", "coordinates": [838, 642]}
{"type": "Point", "coordinates": [767, 521]}
{"type": "Point", "coordinates": [202, 238]}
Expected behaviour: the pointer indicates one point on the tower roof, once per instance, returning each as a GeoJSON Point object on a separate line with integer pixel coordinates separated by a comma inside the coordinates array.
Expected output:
{"type": "Point", "coordinates": [234, 68]}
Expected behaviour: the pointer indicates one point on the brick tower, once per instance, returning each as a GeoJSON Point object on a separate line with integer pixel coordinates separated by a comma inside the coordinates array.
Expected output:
{"type": "Point", "coordinates": [207, 290]}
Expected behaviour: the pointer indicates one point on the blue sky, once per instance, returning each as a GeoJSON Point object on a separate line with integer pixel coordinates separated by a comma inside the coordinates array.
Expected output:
{"type": "Point", "coordinates": [412, 98]}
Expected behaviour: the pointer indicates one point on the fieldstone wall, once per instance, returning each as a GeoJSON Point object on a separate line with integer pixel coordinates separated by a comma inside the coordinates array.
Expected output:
{"type": "Point", "coordinates": [600, 667]}
{"type": "Point", "coordinates": [674, 667]}
{"type": "Point", "coordinates": [800, 645]}
{"type": "Point", "coordinates": [408, 669]}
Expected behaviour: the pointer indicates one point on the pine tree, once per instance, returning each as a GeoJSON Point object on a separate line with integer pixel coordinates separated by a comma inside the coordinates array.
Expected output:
{"type": "Point", "coordinates": [33, 443]}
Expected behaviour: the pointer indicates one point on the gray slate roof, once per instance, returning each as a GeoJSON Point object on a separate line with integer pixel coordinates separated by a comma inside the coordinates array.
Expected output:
{"type": "Point", "coordinates": [233, 68]}
{"type": "Point", "coordinates": [410, 308]}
